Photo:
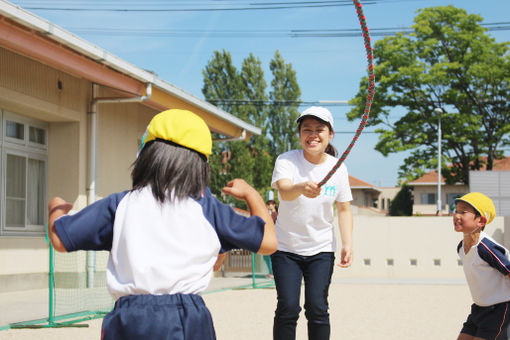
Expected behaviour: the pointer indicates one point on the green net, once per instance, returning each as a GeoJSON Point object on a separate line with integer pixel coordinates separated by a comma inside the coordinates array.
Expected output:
{"type": "Point", "coordinates": [79, 286]}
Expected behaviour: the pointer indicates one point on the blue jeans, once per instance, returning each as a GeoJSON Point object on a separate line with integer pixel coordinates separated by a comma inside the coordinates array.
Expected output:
{"type": "Point", "coordinates": [288, 270]}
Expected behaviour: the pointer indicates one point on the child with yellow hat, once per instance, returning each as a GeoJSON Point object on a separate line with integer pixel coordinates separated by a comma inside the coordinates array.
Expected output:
{"type": "Point", "coordinates": [486, 265]}
{"type": "Point", "coordinates": [164, 234]}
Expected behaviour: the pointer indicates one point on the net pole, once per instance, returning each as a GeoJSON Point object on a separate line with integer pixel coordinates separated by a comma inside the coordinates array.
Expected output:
{"type": "Point", "coordinates": [254, 284]}
{"type": "Point", "coordinates": [51, 282]}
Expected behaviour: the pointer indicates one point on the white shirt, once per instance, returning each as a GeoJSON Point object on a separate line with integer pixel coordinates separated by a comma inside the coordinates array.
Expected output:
{"type": "Point", "coordinates": [486, 266]}
{"type": "Point", "coordinates": [305, 225]}
{"type": "Point", "coordinates": [159, 248]}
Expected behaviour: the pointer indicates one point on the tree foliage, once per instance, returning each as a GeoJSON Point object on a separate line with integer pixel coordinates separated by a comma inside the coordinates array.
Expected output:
{"type": "Point", "coordinates": [448, 62]}
{"type": "Point", "coordinates": [244, 94]}
{"type": "Point", "coordinates": [284, 112]}
{"type": "Point", "coordinates": [402, 204]}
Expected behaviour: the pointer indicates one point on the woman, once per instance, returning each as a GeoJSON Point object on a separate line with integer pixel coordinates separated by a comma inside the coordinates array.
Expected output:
{"type": "Point", "coordinates": [306, 239]}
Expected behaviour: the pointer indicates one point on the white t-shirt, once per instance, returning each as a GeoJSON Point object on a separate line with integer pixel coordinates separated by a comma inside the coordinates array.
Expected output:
{"type": "Point", "coordinates": [487, 266]}
{"type": "Point", "coordinates": [159, 248]}
{"type": "Point", "coordinates": [305, 225]}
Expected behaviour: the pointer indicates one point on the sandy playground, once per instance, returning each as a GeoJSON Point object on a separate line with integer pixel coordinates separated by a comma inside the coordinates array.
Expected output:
{"type": "Point", "coordinates": [362, 310]}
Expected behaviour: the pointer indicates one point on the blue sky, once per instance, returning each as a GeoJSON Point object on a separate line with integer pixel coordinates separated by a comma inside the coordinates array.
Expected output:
{"type": "Point", "coordinates": [327, 68]}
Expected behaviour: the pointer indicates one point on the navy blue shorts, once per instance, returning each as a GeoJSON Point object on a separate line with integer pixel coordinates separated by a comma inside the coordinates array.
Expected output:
{"type": "Point", "coordinates": [489, 322]}
{"type": "Point", "coordinates": [159, 317]}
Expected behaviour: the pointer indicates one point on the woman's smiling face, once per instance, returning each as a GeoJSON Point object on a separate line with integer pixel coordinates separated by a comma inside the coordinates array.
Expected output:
{"type": "Point", "coordinates": [314, 136]}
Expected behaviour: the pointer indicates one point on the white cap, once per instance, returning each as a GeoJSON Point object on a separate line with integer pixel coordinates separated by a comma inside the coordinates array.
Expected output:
{"type": "Point", "coordinates": [319, 112]}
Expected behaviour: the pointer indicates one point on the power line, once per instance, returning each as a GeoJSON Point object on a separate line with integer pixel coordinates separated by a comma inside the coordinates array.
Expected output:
{"type": "Point", "coordinates": [245, 102]}
{"type": "Point", "coordinates": [294, 33]}
{"type": "Point", "coordinates": [216, 6]}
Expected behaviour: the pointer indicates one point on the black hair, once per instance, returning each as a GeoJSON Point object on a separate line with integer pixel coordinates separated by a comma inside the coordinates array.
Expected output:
{"type": "Point", "coordinates": [172, 171]}
{"type": "Point", "coordinates": [330, 149]}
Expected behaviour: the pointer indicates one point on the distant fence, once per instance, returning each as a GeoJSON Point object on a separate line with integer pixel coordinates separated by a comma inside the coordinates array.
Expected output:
{"type": "Point", "coordinates": [239, 261]}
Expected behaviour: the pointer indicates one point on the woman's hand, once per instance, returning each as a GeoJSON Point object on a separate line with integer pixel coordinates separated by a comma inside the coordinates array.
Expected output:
{"type": "Point", "coordinates": [345, 257]}
{"type": "Point", "coordinates": [289, 191]}
{"type": "Point", "coordinates": [310, 189]}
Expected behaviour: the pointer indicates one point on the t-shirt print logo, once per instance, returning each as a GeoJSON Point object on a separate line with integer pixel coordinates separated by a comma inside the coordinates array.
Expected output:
{"type": "Point", "coordinates": [329, 191]}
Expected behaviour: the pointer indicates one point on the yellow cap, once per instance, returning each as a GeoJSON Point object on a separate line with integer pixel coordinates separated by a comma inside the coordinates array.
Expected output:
{"type": "Point", "coordinates": [181, 127]}
{"type": "Point", "coordinates": [481, 203]}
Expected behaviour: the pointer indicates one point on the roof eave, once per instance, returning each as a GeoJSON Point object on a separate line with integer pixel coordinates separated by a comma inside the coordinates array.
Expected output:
{"type": "Point", "coordinates": [101, 56]}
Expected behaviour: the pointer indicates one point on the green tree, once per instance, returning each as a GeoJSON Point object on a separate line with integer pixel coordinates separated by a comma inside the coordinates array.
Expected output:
{"type": "Point", "coordinates": [244, 94]}
{"type": "Point", "coordinates": [256, 112]}
{"type": "Point", "coordinates": [222, 81]}
{"type": "Point", "coordinates": [285, 95]}
{"type": "Point", "coordinates": [448, 62]}
{"type": "Point", "coordinates": [402, 204]}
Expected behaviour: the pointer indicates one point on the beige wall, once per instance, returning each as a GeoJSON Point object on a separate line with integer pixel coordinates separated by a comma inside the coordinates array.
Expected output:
{"type": "Point", "coordinates": [401, 239]}
{"type": "Point", "coordinates": [386, 195]}
{"type": "Point", "coordinates": [357, 197]}
{"type": "Point", "coordinates": [120, 128]}
{"type": "Point", "coordinates": [364, 197]}
{"type": "Point", "coordinates": [377, 239]}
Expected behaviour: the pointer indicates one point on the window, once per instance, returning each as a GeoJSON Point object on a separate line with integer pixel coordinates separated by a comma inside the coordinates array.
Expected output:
{"type": "Point", "coordinates": [450, 200]}
{"type": "Point", "coordinates": [428, 198]}
{"type": "Point", "coordinates": [14, 130]}
{"type": "Point", "coordinates": [23, 175]}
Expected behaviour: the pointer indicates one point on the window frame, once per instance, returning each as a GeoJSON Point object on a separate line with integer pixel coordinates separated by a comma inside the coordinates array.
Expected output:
{"type": "Point", "coordinates": [28, 150]}
{"type": "Point", "coordinates": [428, 195]}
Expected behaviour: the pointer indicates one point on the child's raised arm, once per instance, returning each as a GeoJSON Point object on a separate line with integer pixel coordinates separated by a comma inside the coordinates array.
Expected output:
{"type": "Point", "coordinates": [238, 188]}
{"type": "Point", "coordinates": [56, 208]}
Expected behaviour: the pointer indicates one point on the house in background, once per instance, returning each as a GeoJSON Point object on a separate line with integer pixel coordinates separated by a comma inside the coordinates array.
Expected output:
{"type": "Point", "coordinates": [364, 194]}
{"type": "Point", "coordinates": [371, 198]}
{"type": "Point", "coordinates": [425, 190]}
{"type": "Point", "coordinates": [72, 116]}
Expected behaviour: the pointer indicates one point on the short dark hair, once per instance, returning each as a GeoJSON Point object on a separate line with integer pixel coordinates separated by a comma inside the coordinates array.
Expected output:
{"type": "Point", "coordinates": [171, 171]}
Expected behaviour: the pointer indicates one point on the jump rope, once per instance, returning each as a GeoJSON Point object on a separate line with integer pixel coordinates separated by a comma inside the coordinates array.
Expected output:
{"type": "Point", "coordinates": [370, 89]}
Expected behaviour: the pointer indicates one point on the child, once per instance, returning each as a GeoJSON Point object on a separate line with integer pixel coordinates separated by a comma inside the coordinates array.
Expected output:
{"type": "Point", "coordinates": [164, 234]}
{"type": "Point", "coordinates": [486, 266]}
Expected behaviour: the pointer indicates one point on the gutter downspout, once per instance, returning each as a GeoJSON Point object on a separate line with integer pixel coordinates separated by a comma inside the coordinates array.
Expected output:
{"type": "Point", "coordinates": [242, 137]}
{"type": "Point", "coordinates": [91, 189]}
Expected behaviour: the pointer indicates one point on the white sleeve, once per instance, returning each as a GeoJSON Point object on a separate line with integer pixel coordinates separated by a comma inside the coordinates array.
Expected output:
{"type": "Point", "coordinates": [283, 168]}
